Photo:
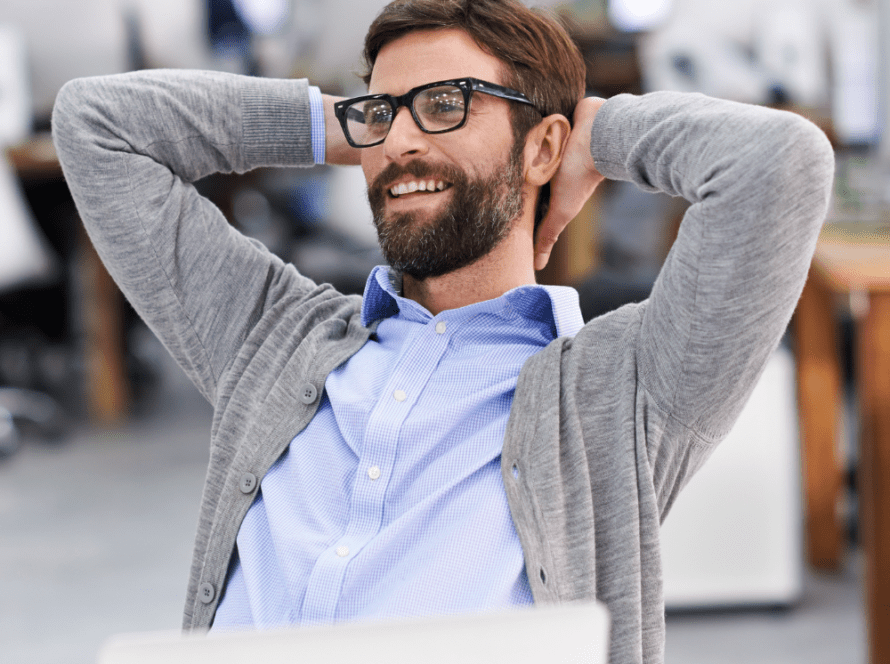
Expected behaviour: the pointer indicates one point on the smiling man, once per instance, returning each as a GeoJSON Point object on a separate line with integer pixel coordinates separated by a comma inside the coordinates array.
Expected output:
{"type": "Point", "coordinates": [475, 224]}
{"type": "Point", "coordinates": [455, 440]}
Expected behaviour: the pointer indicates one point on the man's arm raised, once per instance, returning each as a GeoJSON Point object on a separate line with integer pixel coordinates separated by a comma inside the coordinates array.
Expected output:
{"type": "Point", "coordinates": [130, 146]}
{"type": "Point", "coordinates": [758, 181]}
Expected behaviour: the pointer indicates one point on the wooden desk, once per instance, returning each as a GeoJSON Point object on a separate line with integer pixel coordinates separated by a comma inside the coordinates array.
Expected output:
{"type": "Point", "coordinates": [101, 303]}
{"type": "Point", "coordinates": [35, 159]}
{"type": "Point", "coordinates": [852, 261]}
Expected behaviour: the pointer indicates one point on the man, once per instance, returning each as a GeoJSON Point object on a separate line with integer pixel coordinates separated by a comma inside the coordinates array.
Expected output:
{"type": "Point", "coordinates": [455, 440]}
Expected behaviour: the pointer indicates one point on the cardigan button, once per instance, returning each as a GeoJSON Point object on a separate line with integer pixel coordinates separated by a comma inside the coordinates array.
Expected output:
{"type": "Point", "coordinates": [247, 483]}
{"type": "Point", "coordinates": [308, 393]}
{"type": "Point", "coordinates": [206, 593]}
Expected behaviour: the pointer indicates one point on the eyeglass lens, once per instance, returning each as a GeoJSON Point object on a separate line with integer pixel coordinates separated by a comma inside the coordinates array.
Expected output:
{"type": "Point", "coordinates": [438, 109]}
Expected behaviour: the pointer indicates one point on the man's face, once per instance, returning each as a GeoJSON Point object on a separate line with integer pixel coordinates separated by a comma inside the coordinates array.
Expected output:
{"type": "Point", "coordinates": [432, 232]}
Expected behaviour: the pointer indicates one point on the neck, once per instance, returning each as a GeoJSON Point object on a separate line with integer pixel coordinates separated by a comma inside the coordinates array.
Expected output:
{"type": "Point", "coordinates": [508, 265]}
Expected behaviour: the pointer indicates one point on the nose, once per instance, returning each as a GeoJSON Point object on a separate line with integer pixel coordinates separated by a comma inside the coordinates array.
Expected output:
{"type": "Point", "coordinates": [405, 139]}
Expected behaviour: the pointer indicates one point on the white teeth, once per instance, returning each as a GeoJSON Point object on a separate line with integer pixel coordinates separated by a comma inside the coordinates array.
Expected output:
{"type": "Point", "coordinates": [411, 187]}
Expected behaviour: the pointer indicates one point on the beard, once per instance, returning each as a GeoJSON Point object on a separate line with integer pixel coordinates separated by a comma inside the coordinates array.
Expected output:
{"type": "Point", "coordinates": [478, 216]}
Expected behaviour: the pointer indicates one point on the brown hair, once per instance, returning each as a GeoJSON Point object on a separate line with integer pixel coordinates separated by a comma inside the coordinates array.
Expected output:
{"type": "Point", "coordinates": [540, 59]}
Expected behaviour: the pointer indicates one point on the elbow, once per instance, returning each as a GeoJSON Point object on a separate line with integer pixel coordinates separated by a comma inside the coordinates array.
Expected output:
{"type": "Point", "coordinates": [800, 176]}
{"type": "Point", "coordinates": [68, 114]}
{"type": "Point", "coordinates": [809, 154]}
{"type": "Point", "coordinates": [69, 103]}
{"type": "Point", "coordinates": [78, 123]}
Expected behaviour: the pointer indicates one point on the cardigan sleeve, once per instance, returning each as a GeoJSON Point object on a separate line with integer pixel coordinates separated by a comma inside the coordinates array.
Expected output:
{"type": "Point", "coordinates": [759, 182]}
{"type": "Point", "coordinates": [131, 146]}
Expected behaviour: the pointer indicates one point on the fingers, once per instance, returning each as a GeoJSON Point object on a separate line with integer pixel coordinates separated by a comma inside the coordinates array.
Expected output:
{"type": "Point", "coordinates": [543, 248]}
{"type": "Point", "coordinates": [566, 201]}
{"type": "Point", "coordinates": [558, 217]}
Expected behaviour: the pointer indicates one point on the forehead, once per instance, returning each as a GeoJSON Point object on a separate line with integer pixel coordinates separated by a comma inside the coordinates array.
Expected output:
{"type": "Point", "coordinates": [426, 56]}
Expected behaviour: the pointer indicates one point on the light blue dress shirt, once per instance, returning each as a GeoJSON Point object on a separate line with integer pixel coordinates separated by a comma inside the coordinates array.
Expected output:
{"type": "Point", "coordinates": [390, 503]}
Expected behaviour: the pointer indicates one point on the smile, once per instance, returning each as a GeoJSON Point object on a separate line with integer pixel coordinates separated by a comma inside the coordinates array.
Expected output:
{"type": "Point", "coordinates": [417, 185]}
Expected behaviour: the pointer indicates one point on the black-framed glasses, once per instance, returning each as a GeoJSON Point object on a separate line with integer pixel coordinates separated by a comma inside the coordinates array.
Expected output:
{"type": "Point", "coordinates": [436, 108]}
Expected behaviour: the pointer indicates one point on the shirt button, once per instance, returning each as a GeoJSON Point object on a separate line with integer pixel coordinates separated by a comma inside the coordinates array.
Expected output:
{"type": "Point", "coordinates": [400, 395]}
{"type": "Point", "coordinates": [206, 593]}
{"type": "Point", "coordinates": [247, 483]}
{"type": "Point", "coordinates": [441, 327]}
{"type": "Point", "coordinates": [308, 393]}
{"type": "Point", "coordinates": [342, 551]}
{"type": "Point", "coordinates": [374, 472]}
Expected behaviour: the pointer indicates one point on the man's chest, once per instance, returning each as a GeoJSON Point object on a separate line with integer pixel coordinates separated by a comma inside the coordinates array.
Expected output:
{"type": "Point", "coordinates": [395, 480]}
{"type": "Point", "coordinates": [423, 406]}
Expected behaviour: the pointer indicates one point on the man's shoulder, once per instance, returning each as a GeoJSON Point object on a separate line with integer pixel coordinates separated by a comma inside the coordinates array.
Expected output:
{"type": "Point", "coordinates": [597, 350]}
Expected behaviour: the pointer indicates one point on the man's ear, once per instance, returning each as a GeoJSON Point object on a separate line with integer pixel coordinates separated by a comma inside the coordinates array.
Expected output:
{"type": "Point", "coordinates": [544, 148]}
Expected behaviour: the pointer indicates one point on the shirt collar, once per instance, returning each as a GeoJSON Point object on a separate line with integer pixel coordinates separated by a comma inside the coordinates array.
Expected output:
{"type": "Point", "coordinates": [556, 306]}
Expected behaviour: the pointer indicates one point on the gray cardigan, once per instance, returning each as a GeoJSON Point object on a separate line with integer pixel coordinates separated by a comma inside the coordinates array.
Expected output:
{"type": "Point", "coordinates": [606, 427]}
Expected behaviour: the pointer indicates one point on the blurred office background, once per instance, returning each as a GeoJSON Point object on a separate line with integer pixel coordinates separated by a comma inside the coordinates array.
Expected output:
{"type": "Point", "coordinates": [103, 443]}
